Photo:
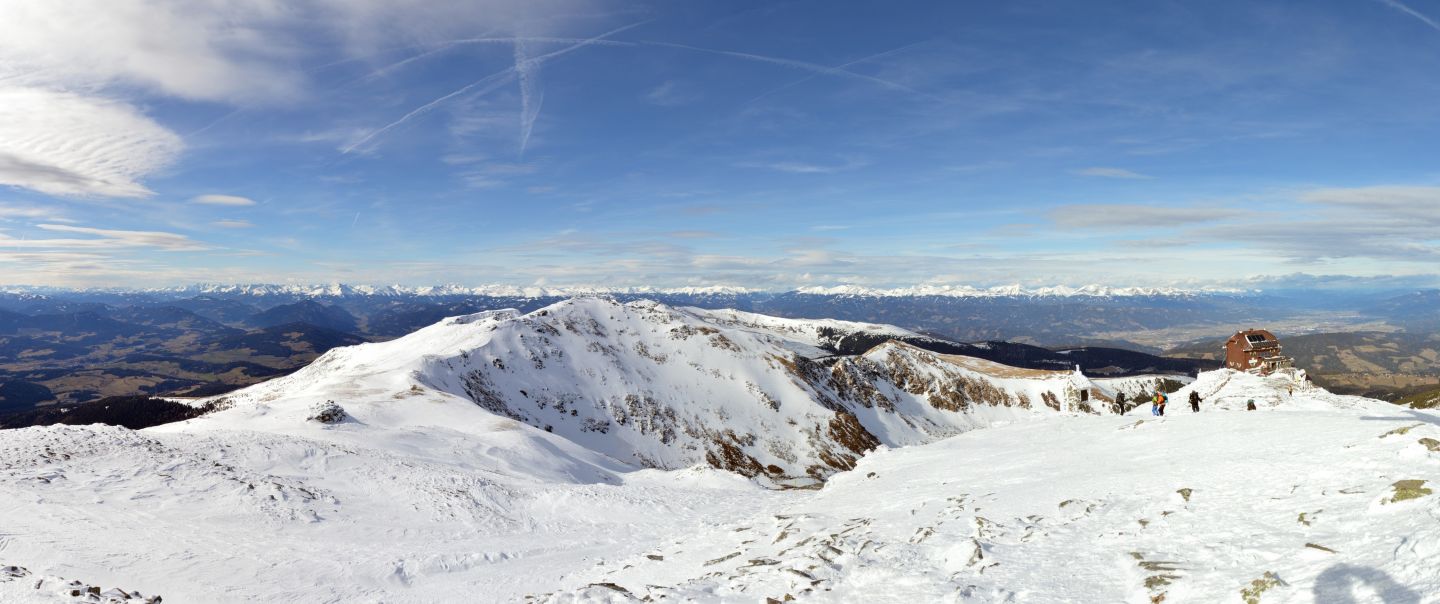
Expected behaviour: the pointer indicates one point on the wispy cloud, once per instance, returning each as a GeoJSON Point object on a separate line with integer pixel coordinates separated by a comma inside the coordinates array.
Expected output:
{"type": "Point", "coordinates": [11, 212]}
{"type": "Point", "coordinates": [1408, 202]}
{"type": "Point", "coordinates": [1102, 172]}
{"type": "Point", "coordinates": [233, 224]}
{"type": "Point", "coordinates": [980, 166]}
{"type": "Point", "coordinates": [71, 145]}
{"type": "Point", "coordinates": [215, 199]}
{"type": "Point", "coordinates": [1373, 224]}
{"type": "Point", "coordinates": [693, 234]}
{"type": "Point", "coordinates": [104, 239]}
{"type": "Point", "coordinates": [669, 93]}
{"type": "Point", "coordinates": [1129, 216]}
{"type": "Point", "coordinates": [798, 167]}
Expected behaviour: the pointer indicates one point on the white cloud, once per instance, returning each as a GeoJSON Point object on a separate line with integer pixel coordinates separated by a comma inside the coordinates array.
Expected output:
{"type": "Point", "coordinates": [1101, 172]}
{"type": "Point", "coordinates": [216, 50]}
{"type": "Point", "coordinates": [233, 224]}
{"type": "Point", "coordinates": [215, 199]}
{"type": "Point", "coordinates": [76, 146]}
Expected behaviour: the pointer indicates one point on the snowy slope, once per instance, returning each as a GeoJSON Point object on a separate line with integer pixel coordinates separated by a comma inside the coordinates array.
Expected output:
{"type": "Point", "coordinates": [978, 482]}
{"type": "Point", "coordinates": [1192, 508]}
{"type": "Point", "coordinates": [650, 386]}
{"type": "Point", "coordinates": [1078, 508]}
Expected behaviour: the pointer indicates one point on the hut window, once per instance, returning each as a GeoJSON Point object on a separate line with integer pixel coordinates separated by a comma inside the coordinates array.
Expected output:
{"type": "Point", "coordinates": [1084, 395]}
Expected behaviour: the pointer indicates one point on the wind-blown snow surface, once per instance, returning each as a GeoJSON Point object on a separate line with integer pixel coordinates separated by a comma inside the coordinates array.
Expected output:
{"type": "Point", "coordinates": [419, 494]}
{"type": "Point", "coordinates": [1192, 507]}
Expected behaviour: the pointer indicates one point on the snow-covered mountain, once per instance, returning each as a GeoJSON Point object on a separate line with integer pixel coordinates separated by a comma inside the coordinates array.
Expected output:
{"type": "Point", "coordinates": [573, 454]}
{"type": "Point", "coordinates": [1016, 290]}
{"type": "Point", "coordinates": [336, 290]}
{"type": "Point", "coordinates": [662, 387]}
{"type": "Point", "coordinates": [340, 290]}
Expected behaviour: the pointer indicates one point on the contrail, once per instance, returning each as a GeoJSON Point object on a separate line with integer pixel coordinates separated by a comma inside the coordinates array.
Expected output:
{"type": "Point", "coordinates": [527, 69]}
{"type": "Point", "coordinates": [1395, 4]}
{"type": "Point", "coordinates": [216, 122]}
{"type": "Point", "coordinates": [398, 64]}
{"type": "Point", "coordinates": [441, 44]}
{"type": "Point", "coordinates": [841, 67]}
{"type": "Point", "coordinates": [529, 91]}
{"type": "Point", "coordinates": [437, 49]}
{"type": "Point", "coordinates": [494, 80]}
{"type": "Point", "coordinates": [792, 63]}
{"type": "Point", "coordinates": [491, 82]}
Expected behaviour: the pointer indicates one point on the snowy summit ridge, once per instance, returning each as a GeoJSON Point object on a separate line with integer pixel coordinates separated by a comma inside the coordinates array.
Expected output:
{"type": "Point", "coordinates": [663, 387]}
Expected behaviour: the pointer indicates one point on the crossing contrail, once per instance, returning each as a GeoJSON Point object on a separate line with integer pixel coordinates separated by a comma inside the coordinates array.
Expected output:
{"type": "Point", "coordinates": [842, 66]}
{"type": "Point", "coordinates": [488, 84]}
{"type": "Point", "coordinates": [527, 70]}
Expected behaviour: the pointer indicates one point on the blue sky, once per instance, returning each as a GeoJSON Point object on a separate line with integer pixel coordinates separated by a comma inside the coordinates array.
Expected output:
{"type": "Point", "coordinates": [759, 144]}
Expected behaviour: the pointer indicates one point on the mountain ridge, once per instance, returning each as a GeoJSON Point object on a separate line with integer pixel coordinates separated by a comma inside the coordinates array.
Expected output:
{"type": "Point", "coordinates": [664, 387]}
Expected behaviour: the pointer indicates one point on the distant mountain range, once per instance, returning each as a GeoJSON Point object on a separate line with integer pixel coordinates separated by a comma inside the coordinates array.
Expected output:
{"type": "Point", "coordinates": [1049, 316]}
{"type": "Point", "coordinates": [337, 290]}
{"type": "Point", "coordinates": [69, 346]}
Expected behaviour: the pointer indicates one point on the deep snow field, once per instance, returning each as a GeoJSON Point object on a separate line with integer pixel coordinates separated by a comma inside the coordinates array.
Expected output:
{"type": "Point", "coordinates": [430, 498]}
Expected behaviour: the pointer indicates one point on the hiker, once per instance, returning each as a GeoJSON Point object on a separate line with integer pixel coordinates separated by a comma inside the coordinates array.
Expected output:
{"type": "Point", "coordinates": [1250, 405]}
{"type": "Point", "coordinates": [1194, 401]}
{"type": "Point", "coordinates": [1157, 404]}
{"type": "Point", "coordinates": [1120, 403]}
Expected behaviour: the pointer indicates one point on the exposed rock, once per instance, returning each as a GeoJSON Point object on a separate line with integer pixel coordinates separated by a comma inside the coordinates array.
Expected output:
{"type": "Point", "coordinates": [1269, 581]}
{"type": "Point", "coordinates": [1407, 489]}
{"type": "Point", "coordinates": [328, 412]}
